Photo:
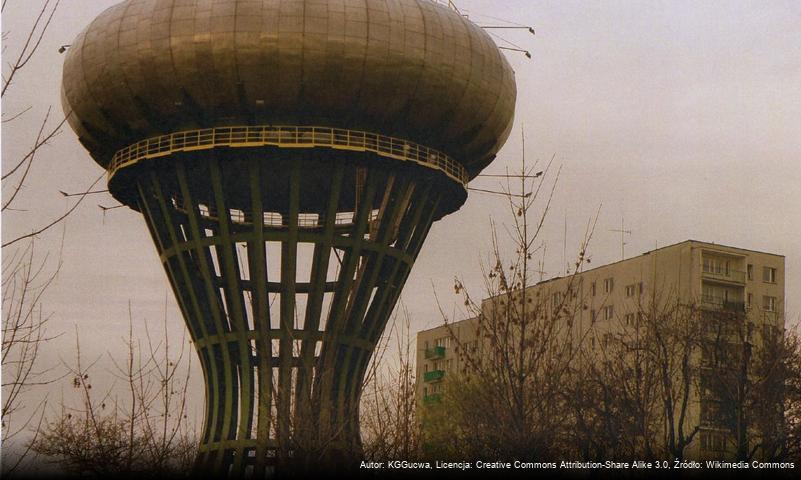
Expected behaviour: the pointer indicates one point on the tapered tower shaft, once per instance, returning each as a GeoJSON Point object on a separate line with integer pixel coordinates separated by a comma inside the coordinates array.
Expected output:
{"type": "Point", "coordinates": [285, 299]}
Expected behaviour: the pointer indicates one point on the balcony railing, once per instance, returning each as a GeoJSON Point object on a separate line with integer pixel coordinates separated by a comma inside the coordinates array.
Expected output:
{"type": "Point", "coordinates": [288, 136]}
{"type": "Point", "coordinates": [434, 353]}
{"type": "Point", "coordinates": [433, 375]}
{"type": "Point", "coordinates": [723, 304]}
{"type": "Point", "coordinates": [734, 276]}
{"type": "Point", "coordinates": [738, 307]}
{"type": "Point", "coordinates": [432, 399]}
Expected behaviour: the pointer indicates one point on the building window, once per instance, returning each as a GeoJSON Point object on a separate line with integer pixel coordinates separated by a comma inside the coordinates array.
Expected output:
{"type": "Point", "coordinates": [769, 303]}
{"type": "Point", "coordinates": [609, 312]}
{"type": "Point", "coordinates": [749, 299]}
{"type": "Point", "coordinates": [769, 275]}
{"type": "Point", "coordinates": [631, 290]}
{"type": "Point", "coordinates": [716, 295]}
{"type": "Point", "coordinates": [629, 319]}
{"type": "Point", "coordinates": [593, 315]}
{"type": "Point", "coordinates": [716, 266]}
{"type": "Point", "coordinates": [769, 334]}
{"type": "Point", "coordinates": [609, 285]}
{"type": "Point", "coordinates": [607, 339]}
{"type": "Point", "coordinates": [707, 293]}
{"type": "Point", "coordinates": [750, 271]}
{"type": "Point", "coordinates": [592, 288]}
{"type": "Point", "coordinates": [711, 412]}
{"type": "Point", "coordinates": [713, 441]}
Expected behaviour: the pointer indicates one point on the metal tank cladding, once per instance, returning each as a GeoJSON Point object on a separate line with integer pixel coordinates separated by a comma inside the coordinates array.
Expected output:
{"type": "Point", "coordinates": [410, 69]}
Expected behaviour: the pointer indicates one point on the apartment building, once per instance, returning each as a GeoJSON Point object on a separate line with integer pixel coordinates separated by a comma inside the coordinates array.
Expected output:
{"type": "Point", "coordinates": [744, 285]}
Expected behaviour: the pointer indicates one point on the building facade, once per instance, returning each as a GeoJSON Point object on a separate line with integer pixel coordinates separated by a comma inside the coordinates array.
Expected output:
{"type": "Point", "coordinates": [736, 294]}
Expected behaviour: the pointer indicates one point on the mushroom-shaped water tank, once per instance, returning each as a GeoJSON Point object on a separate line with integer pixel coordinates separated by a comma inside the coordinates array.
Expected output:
{"type": "Point", "coordinates": [410, 69]}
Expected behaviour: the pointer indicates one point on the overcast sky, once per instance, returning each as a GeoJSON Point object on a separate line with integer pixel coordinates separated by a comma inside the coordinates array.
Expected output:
{"type": "Point", "coordinates": [682, 117]}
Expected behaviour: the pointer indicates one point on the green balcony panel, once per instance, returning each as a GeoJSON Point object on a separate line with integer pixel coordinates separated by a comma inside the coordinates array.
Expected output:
{"type": "Point", "coordinates": [433, 375]}
{"type": "Point", "coordinates": [436, 352]}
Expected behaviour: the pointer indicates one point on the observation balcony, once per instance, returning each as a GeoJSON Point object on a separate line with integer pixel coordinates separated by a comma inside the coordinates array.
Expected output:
{"type": "Point", "coordinates": [433, 376]}
{"type": "Point", "coordinates": [288, 136]}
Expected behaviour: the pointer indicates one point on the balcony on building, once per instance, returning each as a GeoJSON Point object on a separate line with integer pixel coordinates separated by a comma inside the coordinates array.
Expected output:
{"type": "Point", "coordinates": [435, 353]}
{"type": "Point", "coordinates": [731, 277]}
{"type": "Point", "coordinates": [721, 303]}
{"type": "Point", "coordinates": [723, 269]}
{"type": "Point", "coordinates": [432, 399]}
{"type": "Point", "coordinates": [433, 376]}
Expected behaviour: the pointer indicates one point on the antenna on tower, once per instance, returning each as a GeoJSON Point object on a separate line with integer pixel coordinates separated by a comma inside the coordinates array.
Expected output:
{"type": "Point", "coordinates": [501, 24]}
{"type": "Point", "coordinates": [106, 209]}
{"type": "Point", "coordinates": [623, 232]}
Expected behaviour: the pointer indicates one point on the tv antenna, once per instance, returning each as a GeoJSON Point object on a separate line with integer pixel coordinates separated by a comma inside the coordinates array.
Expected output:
{"type": "Point", "coordinates": [623, 232]}
{"type": "Point", "coordinates": [541, 269]}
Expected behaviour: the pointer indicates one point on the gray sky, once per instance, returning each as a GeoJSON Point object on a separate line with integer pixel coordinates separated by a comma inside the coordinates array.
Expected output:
{"type": "Point", "coordinates": [684, 117]}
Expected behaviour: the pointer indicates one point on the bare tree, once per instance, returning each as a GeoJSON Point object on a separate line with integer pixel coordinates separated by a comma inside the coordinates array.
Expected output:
{"type": "Point", "coordinates": [27, 271]}
{"type": "Point", "coordinates": [673, 340]}
{"type": "Point", "coordinates": [784, 365]}
{"type": "Point", "coordinates": [614, 396]}
{"type": "Point", "coordinates": [137, 427]}
{"type": "Point", "coordinates": [24, 334]}
{"type": "Point", "coordinates": [17, 172]}
{"type": "Point", "coordinates": [642, 379]}
{"type": "Point", "coordinates": [388, 406]}
{"type": "Point", "coordinates": [508, 401]}
{"type": "Point", "coordinates": [750, 383]}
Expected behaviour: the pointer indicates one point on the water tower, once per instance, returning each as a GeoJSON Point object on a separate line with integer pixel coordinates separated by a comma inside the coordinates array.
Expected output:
{"type": "Point", "coordinates": [289, 158]}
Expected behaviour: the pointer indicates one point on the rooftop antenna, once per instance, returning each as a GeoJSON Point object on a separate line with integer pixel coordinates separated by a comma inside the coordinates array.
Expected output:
{"type": "Point", "coordinates": [623, 232]}
{"type": "Point", "coordinates": [541, 269]}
